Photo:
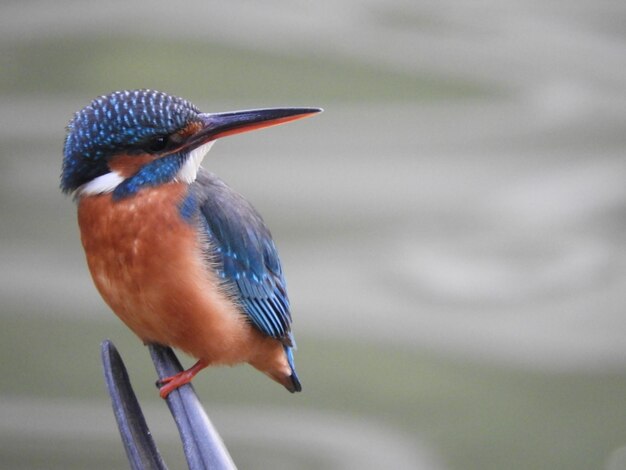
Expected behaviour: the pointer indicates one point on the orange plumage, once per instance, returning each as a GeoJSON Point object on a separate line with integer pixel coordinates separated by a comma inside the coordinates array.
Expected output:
{"type": "Point", "coordinates": [172, 298]}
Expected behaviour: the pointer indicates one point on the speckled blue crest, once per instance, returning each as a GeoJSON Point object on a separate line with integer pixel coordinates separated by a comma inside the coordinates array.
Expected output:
{"type": "Point", "coordinates": [114, 123]}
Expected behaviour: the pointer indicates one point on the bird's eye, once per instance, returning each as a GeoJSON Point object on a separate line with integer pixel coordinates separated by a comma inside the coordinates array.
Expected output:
{"type": "Point", "coordinates": [158, 143]}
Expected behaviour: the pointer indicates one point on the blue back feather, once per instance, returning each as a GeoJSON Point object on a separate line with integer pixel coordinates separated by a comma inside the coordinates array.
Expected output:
{"type": "Point", "coordinates": [244, 254]}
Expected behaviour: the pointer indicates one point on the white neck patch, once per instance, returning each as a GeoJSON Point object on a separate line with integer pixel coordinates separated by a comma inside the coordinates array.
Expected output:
{"type": "Point", "coordinates": [189, 171]}
{"type": "Point", "coordinates": [100, 185]}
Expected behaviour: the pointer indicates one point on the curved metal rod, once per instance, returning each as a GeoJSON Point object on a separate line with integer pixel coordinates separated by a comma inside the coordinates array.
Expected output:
{"type": "Point", "coordinates": [202, 444]}
{"type": "Point", "coordinates": [141, 450]}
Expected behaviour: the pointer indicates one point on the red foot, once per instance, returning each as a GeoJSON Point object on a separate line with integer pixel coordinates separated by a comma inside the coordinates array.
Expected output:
{"type": "Point", "coordinates": [169, 384]}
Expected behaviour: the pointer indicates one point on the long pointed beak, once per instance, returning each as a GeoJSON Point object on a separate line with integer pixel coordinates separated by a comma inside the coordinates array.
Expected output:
{"type": "Point", "coordinates": [216, 125]}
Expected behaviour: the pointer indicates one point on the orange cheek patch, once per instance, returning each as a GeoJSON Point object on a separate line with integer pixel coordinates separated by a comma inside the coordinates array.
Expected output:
{"type": "Point", "coordinates": [189, 130]}
{"type": "Point", "coordinates": [128, 165]}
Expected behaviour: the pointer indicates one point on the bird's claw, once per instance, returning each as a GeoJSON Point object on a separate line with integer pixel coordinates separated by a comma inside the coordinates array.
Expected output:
{"type": "Point", "coordinates": [167, 385]}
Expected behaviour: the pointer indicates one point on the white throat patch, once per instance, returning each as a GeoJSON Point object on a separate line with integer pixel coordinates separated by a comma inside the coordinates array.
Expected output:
{"type": "Point", "coordinates": [100, 185]}
{"type": "Point", "coordinates": [189, 171]}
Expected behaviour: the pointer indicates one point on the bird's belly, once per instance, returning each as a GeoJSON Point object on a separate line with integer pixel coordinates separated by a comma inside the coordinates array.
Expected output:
{"type": "Point", "coordinates": [148, 265]}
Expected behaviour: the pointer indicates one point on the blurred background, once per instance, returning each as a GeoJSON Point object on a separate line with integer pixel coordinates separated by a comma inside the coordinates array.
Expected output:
{"type": "Point", "coordinates": [452, 228]}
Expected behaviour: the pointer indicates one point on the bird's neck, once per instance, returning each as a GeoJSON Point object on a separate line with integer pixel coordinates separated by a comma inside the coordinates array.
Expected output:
{"type": "Point", "coordinates": [130, 173]}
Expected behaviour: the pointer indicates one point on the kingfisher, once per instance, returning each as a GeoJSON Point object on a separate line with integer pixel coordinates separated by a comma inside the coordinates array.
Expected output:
{"type": "Point", "coordinates": [180, 257]}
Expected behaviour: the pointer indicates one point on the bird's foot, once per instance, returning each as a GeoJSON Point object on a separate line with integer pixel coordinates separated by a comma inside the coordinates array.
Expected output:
{"type": "Point", "coordinates": [168, 384]}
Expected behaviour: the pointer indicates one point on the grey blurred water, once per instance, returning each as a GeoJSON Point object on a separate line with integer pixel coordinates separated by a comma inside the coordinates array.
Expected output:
{"type": "Point", "coordinates": [451, 227]}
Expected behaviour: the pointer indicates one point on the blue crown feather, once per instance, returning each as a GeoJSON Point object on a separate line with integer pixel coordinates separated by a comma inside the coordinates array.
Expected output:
{"type": "Point", "coordinates": [118, 122]}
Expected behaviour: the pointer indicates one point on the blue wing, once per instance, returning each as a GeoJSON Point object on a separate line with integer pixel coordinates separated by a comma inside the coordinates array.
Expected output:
{"type": "Point", "coordinates": [244, 254]}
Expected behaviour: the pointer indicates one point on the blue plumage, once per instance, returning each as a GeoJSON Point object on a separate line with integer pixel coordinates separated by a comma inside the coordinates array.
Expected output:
{"type": "Point", "coordinates": [243, 253]}
{"type": "Point", "coordinates": [119, 122]}
{"type": "Point", "coordinates": [154, 173]}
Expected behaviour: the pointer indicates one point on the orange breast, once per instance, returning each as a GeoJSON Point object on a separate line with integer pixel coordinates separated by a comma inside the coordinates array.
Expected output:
{"type": "Point", "coordinates": [147, 264]}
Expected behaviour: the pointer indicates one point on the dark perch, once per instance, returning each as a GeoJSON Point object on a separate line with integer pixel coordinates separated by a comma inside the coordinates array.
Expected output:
{"type": "Point", "coordinates": [202, 444]}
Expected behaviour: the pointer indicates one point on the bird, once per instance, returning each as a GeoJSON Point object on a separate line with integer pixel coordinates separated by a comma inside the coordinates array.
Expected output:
{"type": "Point", "coordinates": [180, 257]}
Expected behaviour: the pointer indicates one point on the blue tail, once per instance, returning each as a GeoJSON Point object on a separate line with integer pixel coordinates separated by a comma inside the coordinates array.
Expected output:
{"type": "Point", "coordinates": [295, 381]}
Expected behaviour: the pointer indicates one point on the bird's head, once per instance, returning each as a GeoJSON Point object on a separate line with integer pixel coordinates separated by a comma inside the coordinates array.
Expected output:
{"type": "Point", "coordinates": [127, 140]}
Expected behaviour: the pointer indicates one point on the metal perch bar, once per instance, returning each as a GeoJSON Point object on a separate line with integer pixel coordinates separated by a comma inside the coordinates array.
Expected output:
{"type": "Point", "coordinates": [202, 444]}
